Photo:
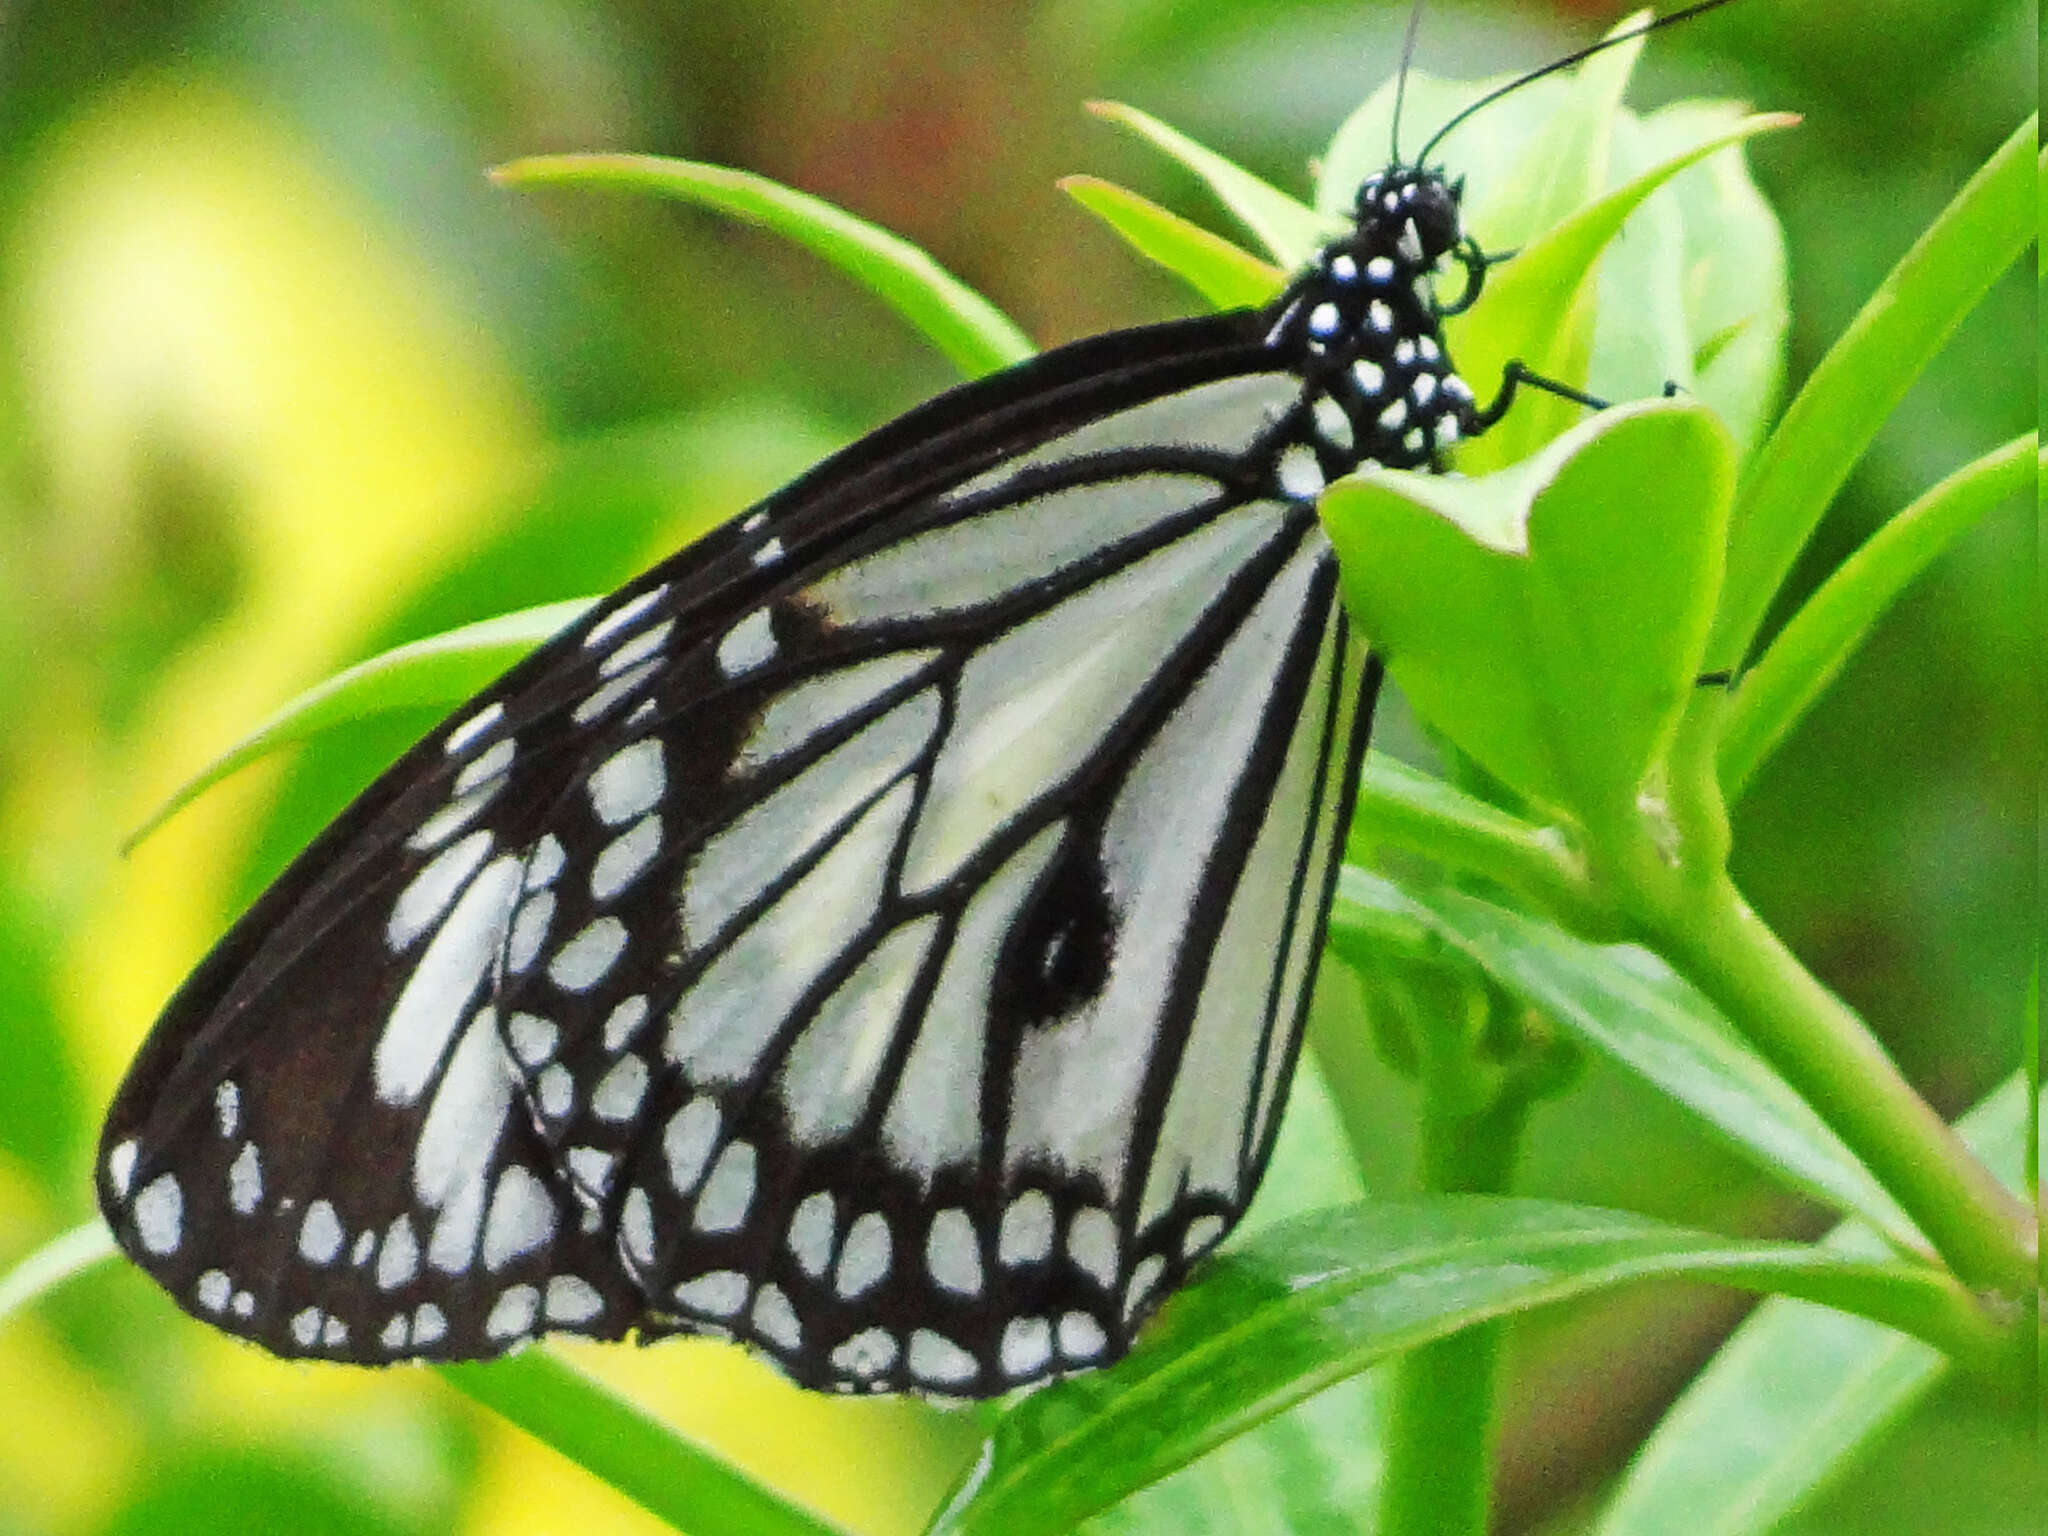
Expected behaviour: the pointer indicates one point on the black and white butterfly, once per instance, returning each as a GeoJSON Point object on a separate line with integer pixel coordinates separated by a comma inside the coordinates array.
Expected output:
{"type": "Point", "coordinates": [880, 934]}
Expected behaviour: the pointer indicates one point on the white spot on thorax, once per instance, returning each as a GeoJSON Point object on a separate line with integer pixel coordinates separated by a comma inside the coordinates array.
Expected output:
{"type": "Point", "coordinates": [1301, 477]}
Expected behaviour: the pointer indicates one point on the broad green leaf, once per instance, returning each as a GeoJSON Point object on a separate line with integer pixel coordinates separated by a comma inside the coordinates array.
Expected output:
{"type": "Point", "coordinates": [1229, 278]}
{"type": "Point", "coordinates": [1322, 1296]}
{"type": "Point", "coordinates": [1796, 1393]}
{"type": "Point", "coordinates": [1704, 263]}
{"type": "Point", "coordinates": [1864, 374]}
{"type": "Point", "coordinates": [442, 670]}
{"type": "Point", "coordinates": [1549, 619]}
{"type": "Point", "coordinates": [1813, 647]}
{"type": "Point", "coordinates": [620, 1444]}
{"type": "Point", "coordinates": [976, 336]}
{"type": "Point", "coordinates": [1288, 228]}
{"type": "Point", "coordinates": [1628, 1005]}
{"type": "Point", "coordinates": [1538, 308]}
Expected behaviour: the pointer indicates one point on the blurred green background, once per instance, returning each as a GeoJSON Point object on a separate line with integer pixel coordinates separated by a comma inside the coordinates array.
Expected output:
{"type": "Point", "coordinates": [283, 381]}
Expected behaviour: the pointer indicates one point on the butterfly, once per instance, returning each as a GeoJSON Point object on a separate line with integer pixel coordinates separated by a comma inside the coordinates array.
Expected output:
{"type": "Point", "coordinates": [880, 934]}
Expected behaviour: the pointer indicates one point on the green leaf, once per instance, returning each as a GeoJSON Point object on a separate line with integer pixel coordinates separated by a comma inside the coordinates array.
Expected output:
{"type": "Point", "coordinates": [1813, 647]}
{"type": "Point", "coordinates": [442, 670]}
{"type": "Point", "coordinates": [976, 336]}
{"type": "Point", "coordinates": [1229, 278]}
{"type": "Point", "coordinates": [1549, 618]}
{"type": "Point", "coordinates": [622, 1445]}
{"type": "Point", "coordinates": [1865, 373]}
{"type": "Point", "coordinates": [1290, 230]}
{"type": "Point", "coordinates": [1628, 1005]}
{"type": "Point", "coordinates": [1320, 1297]}
{"type": "Point", "coordinates": [1538, 308]}
{"type": "Point", "coordinates": [1794, 1396]}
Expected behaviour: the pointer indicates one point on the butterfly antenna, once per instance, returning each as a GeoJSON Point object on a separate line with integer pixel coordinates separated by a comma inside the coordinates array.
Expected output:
{"type": "Point", "coordinates": [1401, 79]}
{"type": "Point", "coordinates": [1566, 62]}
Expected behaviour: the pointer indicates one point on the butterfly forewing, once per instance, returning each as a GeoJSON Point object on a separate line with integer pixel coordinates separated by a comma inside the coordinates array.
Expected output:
{"type": "Point", "coordinates": [880, 933]}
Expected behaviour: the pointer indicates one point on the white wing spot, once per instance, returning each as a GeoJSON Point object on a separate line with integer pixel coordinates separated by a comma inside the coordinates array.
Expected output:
{"type": "Point", "coordinates": [864, 1261]}
{"type": "Point", "coordinates": [1092, 1244]}
{"type": "Point", "coordinates": [622, 617]}
{"type": "Point", "coordinates": [811, 1231]}
{"type": "Point", "coordinates": [572, 1299]}
{"type": "Point", "coordinates": [533, 1038]}
{"type": "Point", "coordinates": [320, 1234]}
{"type": "Point", "coordinates": [227, 1108]}
{"type": "Point", "coordinates": [747, 644]}
{"type": "Point", "coordinates": [466, 734]}
{"type": "Point", "coordinates": [619, 1092]}
{"type": "Point", "coordinates": [1300, 475]}
{"type": "Point", "coordinates": [366, 1244]}
{"type": "Point", "coordinates": [1200, 1236]}
{"type": "Point", "coordinates": [1081, 1336]}
{"type": "Point", "coordinates": [596, 705]}
{"type": "Point", "coordinates": [556, 1090]}
{"type": "Point", "coordinates": [1026, 1346]}
{"type": "Point", "coordinates": [586, 957]}
{"type": "Point", "coordinates": [1410, 243]}
{"type": "Point", "coordinates": [213, 1290]}
{"type": "Point", "coordinates": [642, 647]}
{"type": "Point", "coordinates": [722, 1207]}
{"type": "Point", "coordinates": [686, 1142]}
{"type": "Point", "coordinates": [1144, 1280]}
{"type": "Point", "coordinates": [529, 931]}
{"type": "Point", "coordinates": [628, 783]}
{"type": "Point", "coordinates": [245, 1180]}
{"type": "Point", "coordinates": [952, 1252]}
{"type": "Point", "coordinates": [591, 1168]}
{"type": "Point", "coordinates": [636, 1227]}
{"type": "Point", "coordinates": [867, 1354]}
{"type": "Point", "coordinates": [937, 1359]}
{"type": "Point", "coordinates": [243, 1305]}
{"type": "Point", "coordinates": [776, 1320]}
{"type": "Point", "coordinates": [544, 864]}
{"type": "Point", "coordinates": [305, 1326]}
{"type": "Point", "coordinates": [625, 858]}
{"type": "Point", "coordinates": [513, 1313]}
{"type": "Point", "coordinates": [486, 767]}
{"type": "Point", "coordinates": [721, 1293]}
{"type": "Point", "coordinates": [624, 1022]}
{"type": "Point", "coordinates": [396, 1333]}
{"type": "Point", "coordinates": [399, 1259]}
{"type": "Point", "coordinates": [435, 1000]}
{"type": "Point", "coordinates": [160, 1215]}
{"type": "Point", "coordinates": [1026, 1233]}
{"type": "Point", "coordinates": [334, 1333]}
{"type": "Point", "coordinates": [429, 1324]}
{"type": "Point", "coordinates": [121, 1168]}
{"type": "Point", "coordinates": [521, 1217]}
{"type": "Point", "coordinates": [1334, 422]}
{"type": "Point", "coordinates": [768, 554]}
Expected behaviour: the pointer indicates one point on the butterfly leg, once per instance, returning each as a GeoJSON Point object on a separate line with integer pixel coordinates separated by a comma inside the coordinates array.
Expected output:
{"type": "Point", "coordinates": [1512, 377]}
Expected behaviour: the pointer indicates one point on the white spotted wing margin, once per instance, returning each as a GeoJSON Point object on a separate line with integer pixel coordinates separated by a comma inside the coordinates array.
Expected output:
{"type": "Point", "coordinates": [881, 933]}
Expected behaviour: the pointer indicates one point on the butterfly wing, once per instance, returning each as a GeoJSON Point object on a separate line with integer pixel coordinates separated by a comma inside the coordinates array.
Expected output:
{"type": "Point", "coordinates": [880, 932]}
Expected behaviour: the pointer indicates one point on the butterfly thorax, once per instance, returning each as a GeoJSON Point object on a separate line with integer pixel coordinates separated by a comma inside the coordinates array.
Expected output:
{"type": "Point", "coordinates": [1367, 325]}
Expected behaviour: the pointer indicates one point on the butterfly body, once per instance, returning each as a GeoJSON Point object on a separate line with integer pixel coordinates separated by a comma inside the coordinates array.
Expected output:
{"type": "Point", "coordinates": [881, 933]}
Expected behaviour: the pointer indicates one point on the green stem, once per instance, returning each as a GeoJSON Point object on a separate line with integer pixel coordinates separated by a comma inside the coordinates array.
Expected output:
{"type": "Point", "coordinates": [1440, 1421]}
{"type": "Point", "coordinates": [1705, 929]}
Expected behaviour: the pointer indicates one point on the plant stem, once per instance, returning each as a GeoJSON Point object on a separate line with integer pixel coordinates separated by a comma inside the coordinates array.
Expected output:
{"type": "Point", "coordinates": [1705, 929]}
{"type": "Point", "coordinates": [1439, 1435]}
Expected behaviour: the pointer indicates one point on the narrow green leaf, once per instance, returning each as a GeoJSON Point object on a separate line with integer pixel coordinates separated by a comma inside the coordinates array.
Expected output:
{"type": "Point", "coordinates": [1629, 1006]}
{"type": "Point", "coordinates": [443, 669]}
{"type": "Point", "coordinates": [1549, 618]}
{"type": "Point", "coordinates": [1795, 1395]}
{"type": "Point", "coordinates": [1290, 229]}
{"type": "Point", "coordinates": [1320, 1297]}
{"type": "Point", "coordinates": [1865, 373]}
{"type": "Point", "coordinates": [976, 336]}
{"type": "Point", "coordinates": [627, 1448]}
{"type": "Point", "coordinates": [1811, 650]}
{"type": "Point", "coordinates": [1229, 278]}
{"type": "Point", "coordinates": [67, 1254]}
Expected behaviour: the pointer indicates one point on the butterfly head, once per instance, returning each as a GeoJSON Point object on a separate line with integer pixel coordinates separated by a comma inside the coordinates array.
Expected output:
{"type": "Point", "coordinates": [1411, 213]}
